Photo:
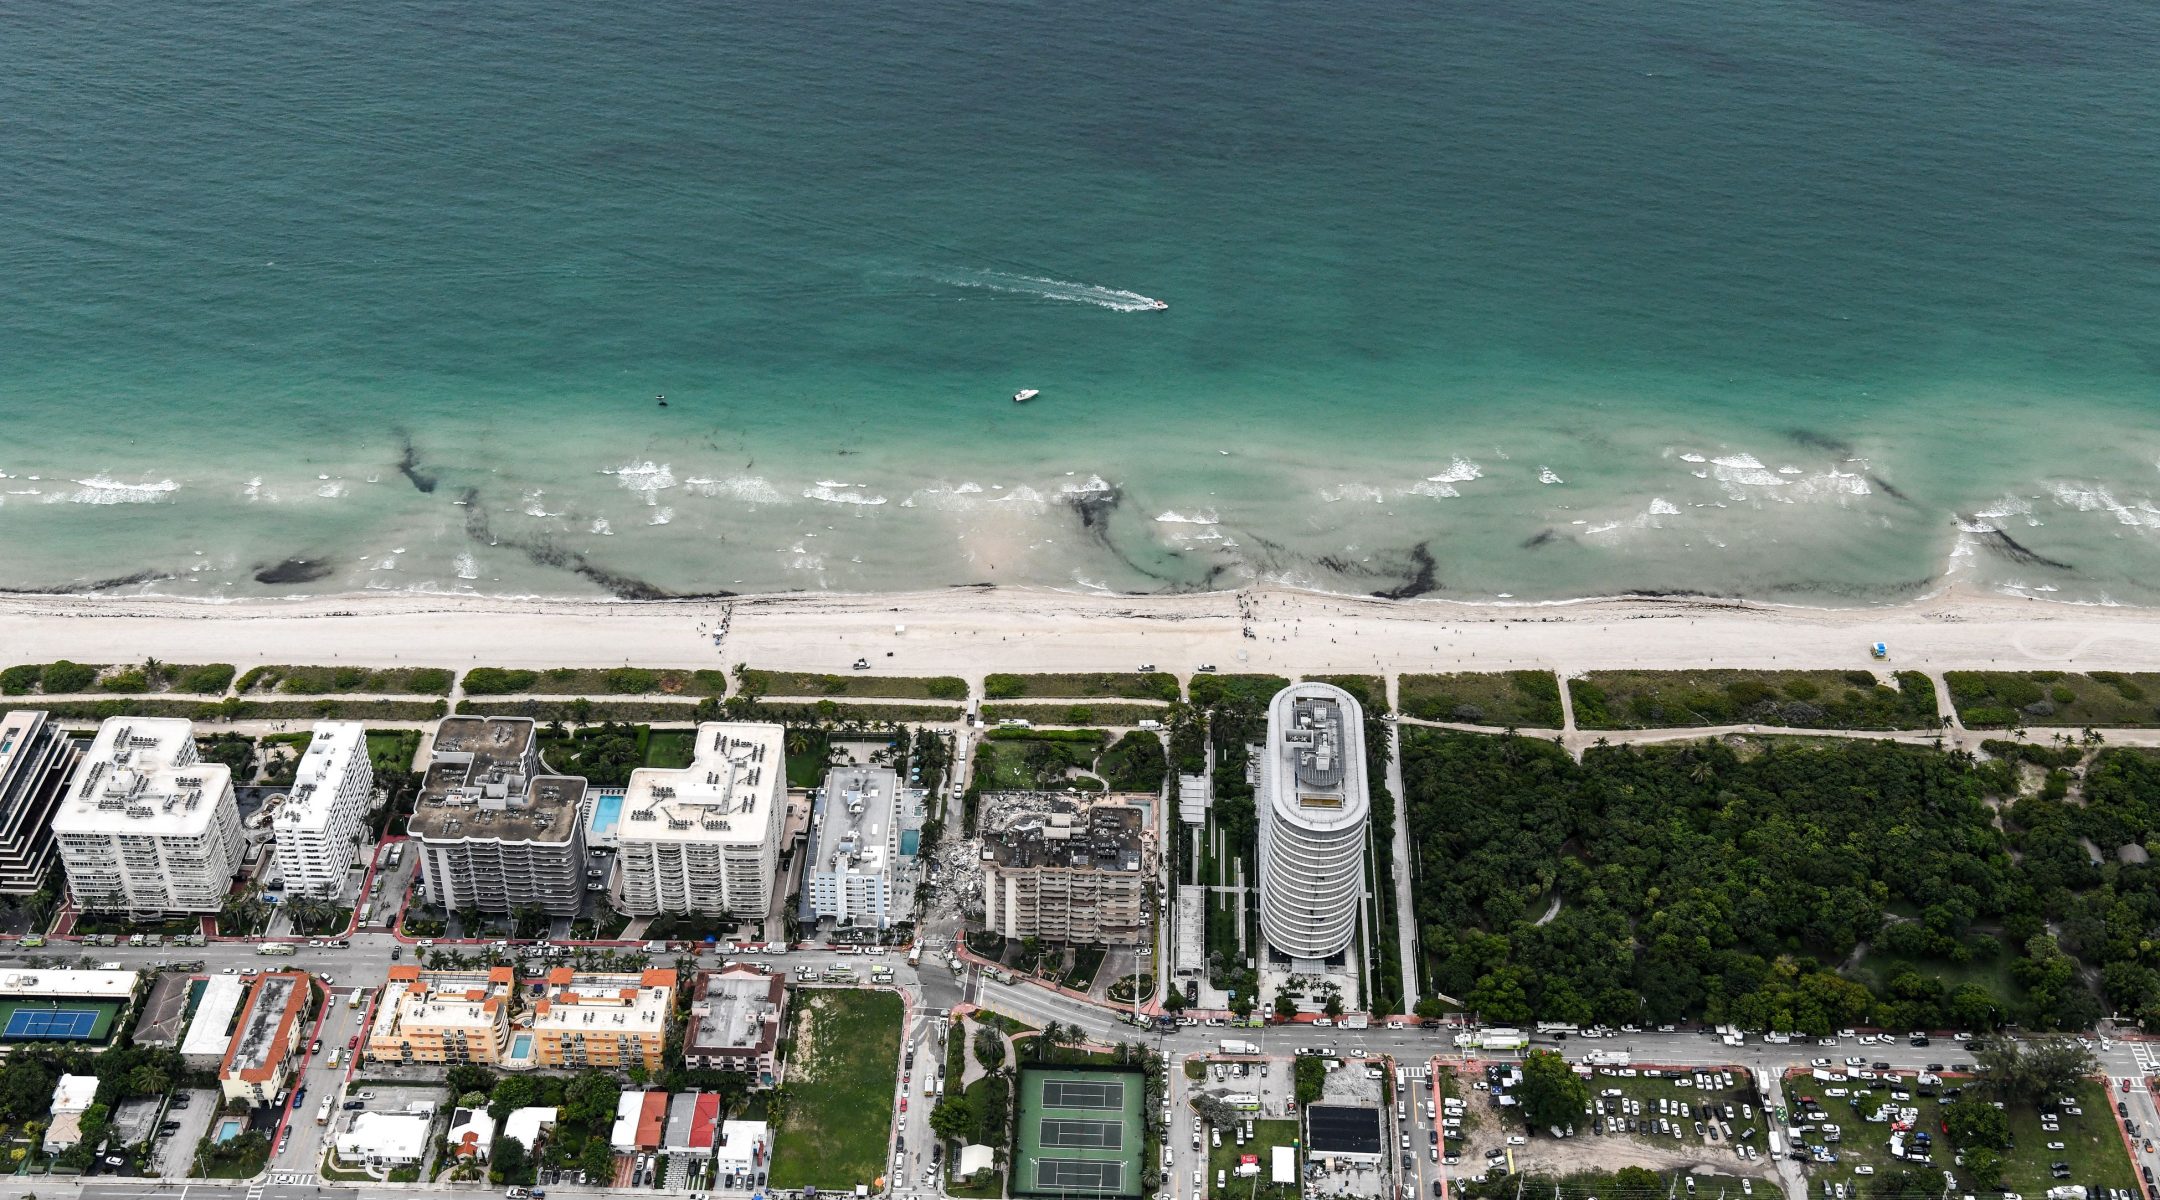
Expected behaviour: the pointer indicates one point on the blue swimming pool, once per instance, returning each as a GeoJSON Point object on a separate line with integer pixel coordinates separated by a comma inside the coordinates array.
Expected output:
{"type": "Point", "coordinates": [521, 1046]}
{"type": "Point", "coordinates": [606, 813]}
{"type": "Point", "coordinates": [230, 1128]}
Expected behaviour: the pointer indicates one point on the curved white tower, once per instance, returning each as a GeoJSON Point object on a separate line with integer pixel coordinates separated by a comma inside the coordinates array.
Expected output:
{"type": "Point", "coordinates": [1312, 806]}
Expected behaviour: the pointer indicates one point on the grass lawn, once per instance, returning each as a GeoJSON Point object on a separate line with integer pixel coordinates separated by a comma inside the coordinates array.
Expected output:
{"type": "Point", "coordinates": [986, 1185]}
{"type": "Point", "coordinates": [1158, 685]}
{"type": "Point", "coordinates": [1523, 699]}
{"type": "Point", "coordinates": [1795, 699]}
{"type": "Point", "coordinates": [1086, 961]}
{"type": "Point", "coordinates": [2091, 1144]}
{"type": "Point", "coordinates": [1369, 690]}
{"type": "Point", "coordinates": [2106, 698]}
{"type": "Point", "coordinates": [883, 687]}
{"type": "Point", "coordinates": [841, 1086]}
{"type": "Point", "coordinates": [670, 747]}
{"type": "Point", "coordinates": [1252, 691]}
{"type": "Point", "coordinates": [1266, 1136]}
{"type": "Point", "coordinates": [392, 749]}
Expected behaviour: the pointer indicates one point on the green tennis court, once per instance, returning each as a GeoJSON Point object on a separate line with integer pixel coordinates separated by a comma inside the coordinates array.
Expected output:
{"type": "Point", "coordinates": [1081, 1132]}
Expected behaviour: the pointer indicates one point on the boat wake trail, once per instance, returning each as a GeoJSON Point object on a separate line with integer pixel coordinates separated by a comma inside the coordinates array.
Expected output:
{"type": "Point", "coordinates": [1054, 289]}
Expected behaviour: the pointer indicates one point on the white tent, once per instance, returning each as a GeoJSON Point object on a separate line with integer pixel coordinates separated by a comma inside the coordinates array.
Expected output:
{"type": "Point", "coordinates": [973, 1159]}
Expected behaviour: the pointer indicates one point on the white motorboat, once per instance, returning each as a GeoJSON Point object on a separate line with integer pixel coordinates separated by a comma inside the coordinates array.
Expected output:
{"type": "Point", "coordinates": [1025, 394]}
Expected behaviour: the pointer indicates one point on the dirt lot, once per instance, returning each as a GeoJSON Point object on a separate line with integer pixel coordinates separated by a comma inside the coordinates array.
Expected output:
{"type": "Point", "coordinates": [1487, 1126]}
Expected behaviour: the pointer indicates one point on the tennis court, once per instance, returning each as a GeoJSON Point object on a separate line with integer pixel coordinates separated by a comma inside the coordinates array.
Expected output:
{"type": "Point", "coordinates": [1080, 1132]}
{"type": "Point", "coordinates": [57, 1021]}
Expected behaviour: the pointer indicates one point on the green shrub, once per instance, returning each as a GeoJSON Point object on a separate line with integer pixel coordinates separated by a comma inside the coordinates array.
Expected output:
{"type": "Point", "coordinates": [257, 677]}
{"type": "Point", "coordinates": [497, 681]}
{"type": "Point", "coordinates": [429, 681]}
{"type": "Point", "coordinates": [131, 682]}
{"type": "Point", "coordinates": [631, 681]}
{"type": "Point", "coordinates": [210, 679]}
{"type": "Point", "coordinates": [17, 681]}
{"type": "Point", "coordinates": [947, 687]}
{"type": "Point", "coordinates": [1003, 687]}
{"type": "Point", "coordinates": [63, 677]}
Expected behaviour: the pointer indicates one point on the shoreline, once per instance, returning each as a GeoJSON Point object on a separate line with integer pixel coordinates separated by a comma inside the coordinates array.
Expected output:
{"type": "Point", "coordinates": [970, 631]}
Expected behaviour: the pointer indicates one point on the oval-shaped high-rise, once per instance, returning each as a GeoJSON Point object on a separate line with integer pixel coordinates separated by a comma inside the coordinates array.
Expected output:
{"type": "Point", "coordinates": [1313, 804]}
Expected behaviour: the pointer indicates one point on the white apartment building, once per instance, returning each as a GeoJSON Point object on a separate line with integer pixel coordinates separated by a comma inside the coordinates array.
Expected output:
{"type": "Point", "coordinates": [499, 835]}
{"type": "Point", "coordinates": [147, 828]}
{"type": "Point", "coordinates": [319, 823]}
{"type": "Point", "coordinates": [36, 758]}
{"type": "Point", "coordinates": [854, 845]}
{"type": "Point", "coordinates": [1313, 803]}
{"type": "Point", "coordinates": [705, 838]}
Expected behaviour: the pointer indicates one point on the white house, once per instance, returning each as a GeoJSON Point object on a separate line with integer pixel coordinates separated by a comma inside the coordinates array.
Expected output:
{"type": "Point", "coordinates": [384, 1139]}
{"type": "Point", "coordinates": [71, 1096]}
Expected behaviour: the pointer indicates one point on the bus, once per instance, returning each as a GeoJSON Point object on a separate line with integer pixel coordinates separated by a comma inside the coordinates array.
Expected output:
{"type": "Point", "coordinates": [322, 1112]}
{"type": "Point", "coordinates": [274, 948]}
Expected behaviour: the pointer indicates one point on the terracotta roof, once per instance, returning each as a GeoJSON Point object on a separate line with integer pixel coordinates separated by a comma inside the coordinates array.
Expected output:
{"type": "Point", "coordinates": [652, 1121]}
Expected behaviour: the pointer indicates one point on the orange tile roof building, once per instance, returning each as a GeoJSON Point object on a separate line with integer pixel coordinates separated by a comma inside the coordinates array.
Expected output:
{"type": "Point", "coordinates": [259, 1062]}
{"type": "Point", "coordinates": [443, 1016]}
{"type": "Point", "coordinates": [603, 1020]}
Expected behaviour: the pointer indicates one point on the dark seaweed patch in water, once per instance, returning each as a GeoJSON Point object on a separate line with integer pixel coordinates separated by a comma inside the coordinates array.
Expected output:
{"type": "Point", "coordinates": [1820, 441]}
{"type": "Point", "coordinates": [1421, 576]}
{"type": "Point", "coordinates": [1543, 537]}
{"type": "Point", "coordinates": [1094, 507]}
{"type": "Point", "coordinates": [408, 465]}
{"type": "Point", "coordinates": [2009, 547]}
{"type": "Point", "coordinates": [88, 587]}
{"type": "Point", "coordinates": [543, 553]}
{"type": "Point", "coordinates": [292, 570]}
{"type": "Point", "coordinates": [1347, 569]}
{"type": "Point", "coordinates": [1888, 489]}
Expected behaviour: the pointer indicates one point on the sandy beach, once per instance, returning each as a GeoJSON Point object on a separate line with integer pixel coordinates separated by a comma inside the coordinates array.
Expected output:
{"type": "Point", "coordinates": [970, 632]}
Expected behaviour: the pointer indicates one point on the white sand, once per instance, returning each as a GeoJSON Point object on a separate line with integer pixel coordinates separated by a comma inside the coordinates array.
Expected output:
{"type": "Point", "coordinates": [970, 632]}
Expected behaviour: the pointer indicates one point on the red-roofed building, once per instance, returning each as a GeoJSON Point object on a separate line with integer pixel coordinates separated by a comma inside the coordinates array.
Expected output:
{"type": "Point", "coordinates": [259, 1061]}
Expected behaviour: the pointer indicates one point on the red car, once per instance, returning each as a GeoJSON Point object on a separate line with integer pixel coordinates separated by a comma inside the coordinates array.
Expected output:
{"type": "Point", "coordinates": [903, 1104]}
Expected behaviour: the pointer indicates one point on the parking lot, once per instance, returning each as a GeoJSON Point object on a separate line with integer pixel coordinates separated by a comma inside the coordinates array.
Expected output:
{"type": "Point", "coordinates": [175, 1151]}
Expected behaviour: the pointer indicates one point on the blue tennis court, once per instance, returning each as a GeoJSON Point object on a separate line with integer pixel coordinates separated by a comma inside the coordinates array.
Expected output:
{"type": "Point", "coordinates": [55, 1024]}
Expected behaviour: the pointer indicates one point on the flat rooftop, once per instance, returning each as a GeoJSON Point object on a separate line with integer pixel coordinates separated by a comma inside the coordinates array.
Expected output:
{"type": "Point", "coordinates": [605, 1003]}
{"type": "Point", "coordinates": [18, 730]}
{"type": "Point", "coordinates": [736, 777]}
{"type": "Point", "coordinates": [476, 786]}
{"type": "Point", "coordinates": [736, 1009]}
{"type": "Point", "coordinates": [140, 776]}
{"type": "Point", "coordinates": [440, 998]}
{"type": "Point", "coordinates": [1101, 837]}
{"type": "Point", "coordinates": [69, 985]}
{"type": "Point", "coordinates": [315, 782]}
{"type": "Point", "coordinates": [211, 1031]}
{"type": "Point", "coordinates": [1314, 770]}
{"type": "Point", "coordinates": [851, 829]}
{"type": "Point", "coordinates": [1342, 1129]}
{"type": "Point", "coordinates": [260, 1041]}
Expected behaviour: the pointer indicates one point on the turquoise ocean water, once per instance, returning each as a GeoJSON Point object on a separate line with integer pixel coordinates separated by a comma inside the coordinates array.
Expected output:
{"type": "Point", "coordinates": [1824, 302]}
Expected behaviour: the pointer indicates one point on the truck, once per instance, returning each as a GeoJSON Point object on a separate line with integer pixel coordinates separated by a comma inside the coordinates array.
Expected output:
{"type": "Point", "coordinates": [1608, 1058]}
{"type": "Point", "coordinates": [914, 955]}
{"type": "Point", "coordinates": [322, 1112]}
{"type": "Point", "coordinates": [1730, 1035]}
{"type": "Point", "coordinates": [1553, 1027]}
{"type": "Point", "coordinates": [1354, 1021]}
{"type": "Point", "coordinates": [1243, 1101]}
{"type": "Point", "coordinates": [1777, 1146]}
{"type": "Point", "coordinates": [1232, 1046]}
{"type": "Point", "coordinates": [275, 949]}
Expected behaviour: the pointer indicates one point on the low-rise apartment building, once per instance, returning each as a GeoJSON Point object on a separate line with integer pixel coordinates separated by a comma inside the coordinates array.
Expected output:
{"type": "Point", "coordinates": [603, 1020]}
{"type": "Point", "coordinates": [705, 838]}
{"type": "Point", "coordinates": [1067, 877]}
{"type": "Point", "coordinates": [497, 834]}
{"type": "Point", "coordinates": [735, 1023]}
{"type": "Point", "coordinates": [147, 828]}
{"type": "Point", "coordinates": [443, 1016]}
{"type": "Point", "coordinates": [319, 823]}
{"type": "Point", "coordinates": [36, 759]}
{"type": "Point", "coordinates": [259, 1062]}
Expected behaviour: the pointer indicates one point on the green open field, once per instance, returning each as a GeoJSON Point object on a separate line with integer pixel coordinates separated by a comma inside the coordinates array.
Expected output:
{"type": "Point", "coordinates": [1794, 699]}
{"type": "Point", "coordinates": [670, 747]}
{"type": "Point", "coordinates": [2102, 698]}
{"type": "Point", "coordinates": [392, 749]}
{"type": "Point", "coordinates": [2091, 1143]}
{"type": "Point", "coordinates": [1523, 699]}
{"type": "Point", "coordinates": [1051, 1134]}
{"type": "Point", "coordinates": [107, 1010]}
{"type": "Point", "coordinates": [1266, 1136]}
{"type": "Point", "coordinates": [842, 1082]}
{"type": "Point", "coordinates": [1092, 712]}
{"type": "Point", "coordinates": [1127, 685]}
{"type": "Point", "coordinates": [880, 687]}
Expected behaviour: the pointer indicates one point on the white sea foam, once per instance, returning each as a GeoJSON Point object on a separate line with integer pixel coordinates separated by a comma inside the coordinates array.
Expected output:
{"type": "Point", "coordinates": [2139, 514]}
{"type": "Point", "coordinates": [661, 516]}
{"type": "Point", "coordinates": [331, 490]}
{"type": "Point", "coordinates": [831, 494]}
{"type": "Point", "coordinates": [1462, 470]}
{"type": "Point", "coordinates": [1352, 491]}
{"type": "Point", "coordinates": [1790, 470]}
{"type": "Point", "coordinates": [747, 488]}
{"type": "Point", "coordinates": [600, 526]}
{"type": "Point", "coordinates": [1547, 475]}
{"type": "Point", "coordinates": [1052, 289]}
{"type": "Point", "coordinates": [1433, 488]}
{"type": "Point", "coordinates": [1092, 485]}
{"type": "Point", "coordinates": [1833, 483]}
{"type": "Point", "coordinates": [645, 478]}
{"type": "Point", "coordinates": [1743, 470]}
{"type": "Point", "coordinates": [1661, 507]}
{"type": "Point", "coordinates": [1205, 516]}
{"type": "Point", "coordinates": [1025, 498]}
{"type": "Point", "coordinates": [1693, 458]}
{"type": "Point", "coordinates": [466, 565]}
{"type": "Point", "coordinates": [253, 488]}
{"type": "Point", "coordinates": [100, 490]}
{"type": "Point", "coordinates": [967, 488]}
